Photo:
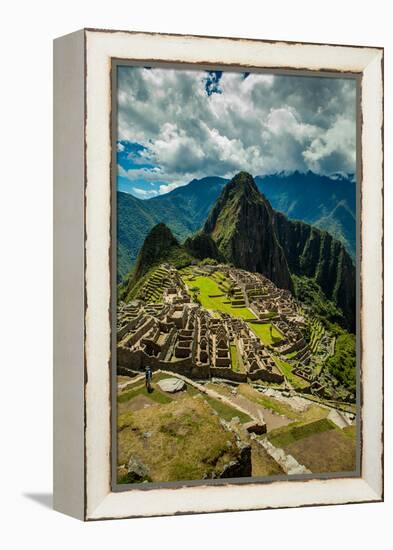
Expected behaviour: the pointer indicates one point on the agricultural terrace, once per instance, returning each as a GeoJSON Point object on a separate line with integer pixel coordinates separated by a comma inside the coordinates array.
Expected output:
{"type": "Point", "coordinates": [286, 369]}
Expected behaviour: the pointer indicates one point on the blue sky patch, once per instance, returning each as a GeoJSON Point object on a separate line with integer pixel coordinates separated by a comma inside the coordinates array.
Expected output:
{"type": "Point", "coordinates": [212, 82]}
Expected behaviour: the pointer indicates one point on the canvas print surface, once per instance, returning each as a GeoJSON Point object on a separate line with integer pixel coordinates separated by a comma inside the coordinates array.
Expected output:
{"type": "Point", "coordinates": [236, 275]}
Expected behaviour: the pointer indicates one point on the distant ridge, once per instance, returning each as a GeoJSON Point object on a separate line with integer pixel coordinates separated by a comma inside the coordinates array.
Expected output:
{"type": "Point", "coordinates": [306, 197]}
{"type": "Point", "coordinates": [244, 230]}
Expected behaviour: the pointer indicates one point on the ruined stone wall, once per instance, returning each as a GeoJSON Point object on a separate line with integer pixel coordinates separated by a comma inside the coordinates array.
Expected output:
{"type": "Point", "coordinates": [168, 342]}
{"type": "Point", "coordinates": [128, 358]}
{"type": "Point", "coordinates": [183, 349]}
{"type": "Point", "coordinates": [138, 360]}
{"type": "Point", "coordinates": [296, 346]}
{"type": "Point", "coordinates": [228, 374]}
{"type": "Point", "coordinates": [123, 371]}
{"type": "Point", "coordinates": [122, 332]}
{"type": "Point", "coordinates": [134, 338]}
{"type": "Point", "coordinates": [265, 375]}
{"type": "Point", "coordinates": [279, 330]}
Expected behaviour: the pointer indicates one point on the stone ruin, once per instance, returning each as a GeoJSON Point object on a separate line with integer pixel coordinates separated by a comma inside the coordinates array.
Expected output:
{"type": "Point", "coordinates": [165, 329]}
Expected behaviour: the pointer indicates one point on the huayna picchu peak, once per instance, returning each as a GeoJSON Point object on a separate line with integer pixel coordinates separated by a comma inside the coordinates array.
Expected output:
{"type": "Point", "coordinates": [242, 225]}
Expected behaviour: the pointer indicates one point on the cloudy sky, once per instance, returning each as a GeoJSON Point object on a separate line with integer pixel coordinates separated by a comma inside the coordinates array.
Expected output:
{"type": "Point", "coordinates": [177, 125]}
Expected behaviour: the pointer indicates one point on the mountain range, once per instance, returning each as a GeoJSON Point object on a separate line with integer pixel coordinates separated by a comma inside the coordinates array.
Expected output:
{"type": "Point", "coordinates": [326, 202]}
{"type": "Point", "coordinates": [244, 230]}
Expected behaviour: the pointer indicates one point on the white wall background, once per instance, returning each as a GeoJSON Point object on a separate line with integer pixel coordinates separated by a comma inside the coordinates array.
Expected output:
{"type": "Point", "coordinates": [27, 29]}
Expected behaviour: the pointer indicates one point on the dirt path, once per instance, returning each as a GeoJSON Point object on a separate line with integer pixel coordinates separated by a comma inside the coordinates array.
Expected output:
{"type": "Point", "coordinates": [123, 382]}
{"type": "Point", "coordinates": [239, 402]}
{"type": "Point", "coordinates": [252, 412]}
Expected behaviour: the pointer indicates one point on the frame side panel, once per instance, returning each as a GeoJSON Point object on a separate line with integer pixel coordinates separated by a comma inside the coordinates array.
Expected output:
{"type": "Point", "coordinates": [68, 253]}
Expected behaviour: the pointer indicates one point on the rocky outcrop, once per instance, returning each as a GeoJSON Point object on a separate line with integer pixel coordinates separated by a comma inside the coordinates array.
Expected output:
{"type": "Point", "coordinates": [171, 385]}
{"type": "Point", "coordinates": [133, 472]}
{"type": "Point", "coordinates": [242, 467]}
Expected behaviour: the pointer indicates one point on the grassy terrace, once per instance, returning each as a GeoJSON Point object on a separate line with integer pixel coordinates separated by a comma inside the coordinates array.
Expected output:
{"type": "Point", "coordinates": [341, 405]}
{"type": "Point", "coordinates": [317, 332]}
{"type": "Point", "coordinates": [212, 297]}
{"type": "Point", "coordinates": [156, 395]}
{"type": "Point", "coordinates": [304, 441]}
{"type": "Point", "coordinates": [286, 369]}
{"type": "Point", "coordinates": [314, 412]}
{"type": "Point", "coordinates": [263, 332]}
{"type": "Point", "coordinates": [226, 411]}
{"type": "Point", "coordinates": [281, 437]}
{"type": "Point", "coordinates": [291, 355]}
{"type": "Point", "coordinates": [267, 402]}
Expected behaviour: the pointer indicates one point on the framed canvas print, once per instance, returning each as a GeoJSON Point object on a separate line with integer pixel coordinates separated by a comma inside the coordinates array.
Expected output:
{"type": "Point", "coordinates": [218, 274]}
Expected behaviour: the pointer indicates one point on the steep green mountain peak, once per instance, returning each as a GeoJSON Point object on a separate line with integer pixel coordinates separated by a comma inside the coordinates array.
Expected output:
{"type": "Point", "coordinates": [241, 224]}
{"type": "Point", "coordinates": [155, 247]}
{"type": "Point", "coordinates": [160, 246]}
{"type": "Point", "coordinates": [243, 183]}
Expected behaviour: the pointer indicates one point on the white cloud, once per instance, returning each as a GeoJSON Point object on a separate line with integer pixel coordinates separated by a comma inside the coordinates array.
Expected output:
{"type": "Point", "coordinates": [285, 120]}
{"type": "Point", "coordinates": [262, 124]}
{"type": "Point", "coordinates": [168, 187]}
{"type": "Point", "coordinates": [340, 139]}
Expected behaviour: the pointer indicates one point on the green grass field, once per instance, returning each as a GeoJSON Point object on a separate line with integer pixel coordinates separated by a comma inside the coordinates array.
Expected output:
{"type": "Point", "coordinates": [225, 411]}
{"type": "Point", "coordinates": [208, 287]}
{"type": "Point", "coordinates": [319, 445]}
{"type": "Point", "coordinates": [263, 332]}
{"type": "Point", "coordinates": [155, 395]}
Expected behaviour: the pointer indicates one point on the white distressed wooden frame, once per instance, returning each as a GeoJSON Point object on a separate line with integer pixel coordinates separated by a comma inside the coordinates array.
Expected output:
{"type": "Point", "coordinates": [82, 438]}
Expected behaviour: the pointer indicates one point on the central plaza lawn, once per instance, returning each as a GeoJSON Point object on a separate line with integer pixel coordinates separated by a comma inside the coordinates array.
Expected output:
{"type": "Point", "coordinates": [263, 333]}
{"type": "Point", "coordinates": [207, 289]}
